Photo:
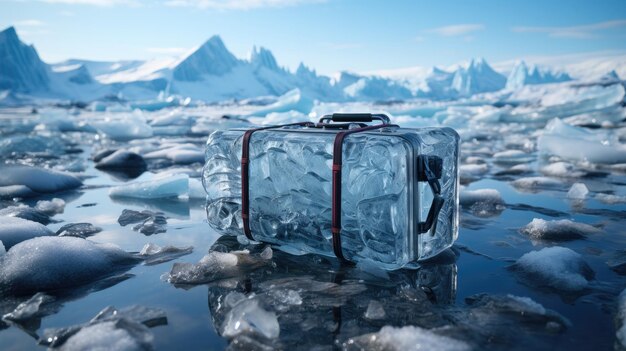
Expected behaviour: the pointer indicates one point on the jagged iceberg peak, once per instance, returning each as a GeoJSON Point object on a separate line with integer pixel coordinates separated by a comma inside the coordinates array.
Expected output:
{"type": "Point", "coordinates": [304, 71]}
{"type": "Point", "coordinates": [263, 57]}
{"type": "Point", "coordinates": [478, 77]}
{"type": "Point", "coordinates": [522, 74]}
{"type": "Point", "coordinates": [21, 69]}
{"type": "Point", "coordinates": [211, 58]}
{"type": "Point", "coordinates": [345, 78]}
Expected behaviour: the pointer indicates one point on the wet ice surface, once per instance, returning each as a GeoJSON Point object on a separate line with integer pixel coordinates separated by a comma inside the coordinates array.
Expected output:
{"type": "Point", "coordinates": [539, 264]}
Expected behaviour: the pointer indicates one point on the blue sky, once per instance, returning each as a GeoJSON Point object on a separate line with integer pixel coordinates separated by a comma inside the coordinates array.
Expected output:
{"type": "Point", "coordinates": [331, 35]}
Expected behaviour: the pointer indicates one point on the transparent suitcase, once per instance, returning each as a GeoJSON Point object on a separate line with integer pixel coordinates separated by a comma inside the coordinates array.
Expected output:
{"type": "Point", "coordinates": [339, 187]}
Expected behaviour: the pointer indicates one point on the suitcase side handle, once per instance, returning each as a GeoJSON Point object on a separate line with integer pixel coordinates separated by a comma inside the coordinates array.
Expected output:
{"type": "Point", "coordinates": [429, 169]}
{"type": "Point", "coordinates": [355, 117]}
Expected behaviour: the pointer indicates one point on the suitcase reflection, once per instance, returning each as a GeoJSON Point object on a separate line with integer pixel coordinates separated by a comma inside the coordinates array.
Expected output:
{"type": "Point", "coordinates": [319, 304]}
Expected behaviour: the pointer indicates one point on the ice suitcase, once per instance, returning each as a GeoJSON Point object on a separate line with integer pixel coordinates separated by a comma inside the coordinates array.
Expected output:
{"type": "Point", "coordinates": [339, 187]}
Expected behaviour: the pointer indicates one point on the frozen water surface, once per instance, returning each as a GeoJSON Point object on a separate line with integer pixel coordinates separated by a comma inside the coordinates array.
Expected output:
{"type": "Point", "coordinates": [504, 286]}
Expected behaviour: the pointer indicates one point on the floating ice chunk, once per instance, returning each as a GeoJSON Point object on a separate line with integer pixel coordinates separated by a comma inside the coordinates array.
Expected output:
{"type": "Point", "coordinates": [29, 309]}
{"type": "Point", "coordinates": [563, 229]}
{"type": "Point", "coordinates": [121, 160]}
{"type": "Point", "coordinates": [154, 189]}
{"type": "Point", "coordinates": [562, 169]}
{"type": "Point", "coordinates": [536, 183]}
{"type": "Point", "coordinates": [25, 212]}
{"type": "Point", "coordinates": [522, 168]}
{"type": "Point", "coordinates": [375, 310]}
{"type": "Point", "coordinates": [578, 191]}
{"type": "Point", "coordinates": [154, 254]}
{"type": "Point", "coordinates": [79, 230]}
{"type": "Point", "coordinates": [470, 197]}
{"type": "Point", "coordinates": [409, 338]}
{"type": "Point", "coordinates": [472, 171]}
{"type": "Point", "coordinates": [115, 333]}
{"type": "Point", "coordinates": [620, 333]}
{"type": "Point", "coordinates": [503, 309]}
{"type": "Point", "coordinates": [216, 265]}
{"type": "Point", "coordinates": [611, 199]}
{"type": "Point", "coordinates": [124, 127]}
{"type": "Point", "coordinates": [14, 230]}
{"type": "Point", "coordinates": [52, 207]}
{"type": "Point", "coordinates": [555, 267]}
{"type": "Point", "coordinates": [292, 100]}
{"type": "Point", "coordinates": [512, 156]}
{"type": "Point", "coordinates": [247, 316]}
{"type": "Point", "coordinates": [148, 222]}
{"type": "Point", "coordinates": [22, 179]}
{"type": "Point", "coordinates": [578, 144]}
{"type": "Point", "coordinates": [51, 263]}
{"type": "Point", "coordinates": [179, 154]}
{"type": "Point", "coordinates": [482, 202]}
{"type": "Point", "coordinates": [147, 316]}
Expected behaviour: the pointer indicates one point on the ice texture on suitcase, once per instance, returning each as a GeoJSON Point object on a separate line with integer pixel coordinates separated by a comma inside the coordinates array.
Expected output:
{"type": "Point", "coordinates": [290, 191]}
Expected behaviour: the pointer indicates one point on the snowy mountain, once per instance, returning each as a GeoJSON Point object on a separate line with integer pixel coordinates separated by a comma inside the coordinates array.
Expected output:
{"type": "Point", "coordinates": [211, 73]}
{"type": "Point", "coordinates": [477, 77]}
{"type": "Point", "coordinates": [523, 75]}
{"type": "Point", "coordinates": [370, 88]}
{"type": "Point", "coordinates": [21, 69]}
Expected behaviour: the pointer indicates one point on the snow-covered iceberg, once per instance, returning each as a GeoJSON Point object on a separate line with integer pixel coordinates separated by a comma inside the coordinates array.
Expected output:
{"type": "Point", "coordinates": [24, 181]}
{"type": "Point", "coordinates": [580, 145]}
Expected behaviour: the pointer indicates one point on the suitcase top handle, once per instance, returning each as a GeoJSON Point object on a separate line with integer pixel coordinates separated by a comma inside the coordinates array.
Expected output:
{"type": "Point", "coordinates": [355, 117]}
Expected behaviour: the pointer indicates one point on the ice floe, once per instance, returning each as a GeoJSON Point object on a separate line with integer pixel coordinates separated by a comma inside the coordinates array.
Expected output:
{"type": "Point", "coordinates": [50, 263]}
{"type": "Point", "coordinates": [562, 169]}
{"type": "Point", "coordinates": [578, 144]}
{"type": "Point", "coordinates": [512, 157]}
{"type": "Point", "coordinates": [21, 181]}
{"type": "Point", "coordinates": [154, 254]}
{"type": "Point", "coordinates": [124, 127]}
{"type": "Point", "coordinates": [578, 191]}
{"type": "Point", "coordinates": [111, 329]}
{"type": "Point", "coordinates": [611, 198]}
{"type": "Point", "coordinates": [25, 212]}
{"type": "Point", "coordinates": [409, 338]}
{"type": "Point", "coordinates": [148, 222]}
{"type": "Point", "coordinates": [292, 100]}
{"type": "Point", "coordinates": [556, 267]}
{"type": "Point", "coordinates": [178, 154]}
{"type": "Point", "coordinates": [121, 160]}
{"type": "Point", "coordinates": [247, 316]}
{"type": "Point", "coordinates": [79, 230]}
{"type": "Point", "coordinates": [14, 230]}
{"type": "Point", "coordinates": [217, 265]}
{"type": "Point", "coordinates": [535, 183]}
{"type": "Point", "coordinates": [52, 207]}
{"type": "Point", "coordinates": [173, 186]}
{"type": "Point", "coordinates": [482, 202]}
{"type": "Point", "coordinates": [557, 230]}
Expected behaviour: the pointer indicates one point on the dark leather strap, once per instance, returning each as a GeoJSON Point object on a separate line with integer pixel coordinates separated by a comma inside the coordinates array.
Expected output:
{"type": "Point", "coordinates": [336, 200]}
{"type": "Point", "coordinates": [245, 180]}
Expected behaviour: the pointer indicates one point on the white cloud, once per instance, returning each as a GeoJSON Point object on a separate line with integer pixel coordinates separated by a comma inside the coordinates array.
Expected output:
{"type": "Point", "coordinates": [29, 23]}
{"type": "Point", "coordinates": [168, 51]}
{"type": "Point", "coordinates": [577, 32]}
{"type": "Point", "coordinates": [238, 4]}
{"type": "Point", "coordinates": [456, 29]}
